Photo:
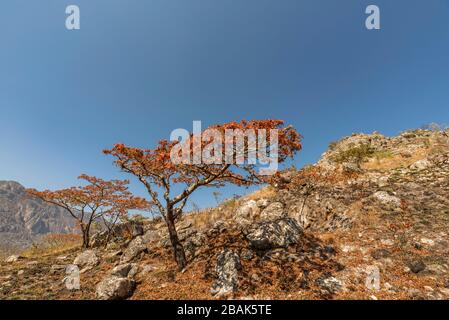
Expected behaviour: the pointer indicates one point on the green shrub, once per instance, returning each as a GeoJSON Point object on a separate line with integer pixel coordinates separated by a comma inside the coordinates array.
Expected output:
{"type": "Point", "coordinates": [356, 154]}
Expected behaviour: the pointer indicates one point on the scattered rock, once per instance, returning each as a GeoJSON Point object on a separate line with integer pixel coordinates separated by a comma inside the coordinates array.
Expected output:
{"type": "Point", "coordinates": [121, 270]}
{"type": "Point", "coordinates": [274, 211]}
{"type": "Point", "coordinates": [274, 234]}
{"type": "Point", "coordinates": [262, 203]}
{"type": "Point", "coordinates": [380, 254]}
{"type": "Point", "coordinates": [329, 284]}
{"type": "Point", "coordinates": [416, 266]}
{"type": "Point", "coordinates": [386, 198]}
{"type": "Point", "coordinates": [247, 213]}
{"type": "Point", "coordinates": [115, 288]}
{"type": "Point", "coordinates": [429, 242]}
{"type": "Point", "coordinates": [87, 258]}
{"type": "Point", "coordinates": [421, 164]}
{"type": "Point", "coordinates": [387, 242]}
{"type": "Point", "coordinates": [134, 270]}
{"type": "Point", "coordinates": [135, 248]}
{"type": "Point", "coordinates": [228, 264]}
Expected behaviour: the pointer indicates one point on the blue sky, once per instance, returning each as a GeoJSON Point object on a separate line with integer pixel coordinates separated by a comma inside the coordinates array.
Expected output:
{"type": "Point", "coordinates": [139, 69]}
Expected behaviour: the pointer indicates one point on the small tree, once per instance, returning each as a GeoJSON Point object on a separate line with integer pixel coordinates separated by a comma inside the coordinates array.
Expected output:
{"type": "Point", "coordinates": [98, 199]}
{"type": "Point", "coordinates": [203, 165]}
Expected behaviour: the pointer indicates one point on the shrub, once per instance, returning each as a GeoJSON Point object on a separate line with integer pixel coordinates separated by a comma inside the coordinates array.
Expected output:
{"type": "Point", "coordinates": [356, 154]}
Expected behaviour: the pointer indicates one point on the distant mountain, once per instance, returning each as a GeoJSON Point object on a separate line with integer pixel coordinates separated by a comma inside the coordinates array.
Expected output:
{"type": "Point", "coordinates": [24, 219]}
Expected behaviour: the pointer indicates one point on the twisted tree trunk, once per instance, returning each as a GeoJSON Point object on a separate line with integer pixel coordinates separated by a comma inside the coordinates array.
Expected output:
{"type": "Point", "coordinates": [178, 249]}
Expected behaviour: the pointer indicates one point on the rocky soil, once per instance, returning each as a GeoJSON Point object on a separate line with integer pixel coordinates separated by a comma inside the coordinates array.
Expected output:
{"type": "Point", "coordinates": [370, 220]}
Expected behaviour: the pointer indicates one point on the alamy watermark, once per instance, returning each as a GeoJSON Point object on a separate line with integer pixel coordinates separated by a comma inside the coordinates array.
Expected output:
{"type": "Point", "coordinates": [372, 281]}
{"type": "Point", "coordinates": [233, 146]}
{"type": "Point", "coordinates": [72, 279]}
{"type": "Point", "coordinates": [73, 20]}
{"type": "Point", "coordinates": [372, 22]}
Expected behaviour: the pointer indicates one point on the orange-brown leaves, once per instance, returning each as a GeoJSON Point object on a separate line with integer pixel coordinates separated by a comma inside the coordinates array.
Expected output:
{"type": "Point", "coordinates": [155, 166]}
{"type": "Point", "coordinates": [98, 197]}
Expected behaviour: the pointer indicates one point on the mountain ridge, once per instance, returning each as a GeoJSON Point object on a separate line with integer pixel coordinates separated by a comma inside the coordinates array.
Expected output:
{"type": "Point", "coordinates": [23, 219]}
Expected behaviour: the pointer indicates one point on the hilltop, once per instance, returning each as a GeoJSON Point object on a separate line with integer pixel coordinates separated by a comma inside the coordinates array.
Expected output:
{"type": "Point", "coordinates": [369, 220]}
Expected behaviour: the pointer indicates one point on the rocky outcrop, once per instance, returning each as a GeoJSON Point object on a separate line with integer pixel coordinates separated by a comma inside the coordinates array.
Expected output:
{"type": "Point", "coordinates": [228, 265]}
{"type": "Point", "coordinates": [274, 234]}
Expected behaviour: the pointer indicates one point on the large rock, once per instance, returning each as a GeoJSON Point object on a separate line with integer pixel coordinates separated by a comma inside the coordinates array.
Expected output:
{"type": "Point", "coordinates": [135, 248]}
{"type": "Point", "coordinates": [387, 199]}
{"type": "Point", "coordinates": [274, 211]}
{"type": "Point", "coordinates": [228, 265]}
{"type": "Point", "coordinates": [247, 213]}
{"type": "Point", "coordinates": [274, 234]}
{"type": "Point", "coordinates": [87, 258]}
{"type": "Point", "coordinates": [122, 270]}
{"type": "Point", "coordinates": [421, 164]}
{"type": "Point", "coordinates": [114, 288]}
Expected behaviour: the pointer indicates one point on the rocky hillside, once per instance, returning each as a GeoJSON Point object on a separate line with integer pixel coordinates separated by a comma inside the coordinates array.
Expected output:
{"type": "Point", "coordinates": [370, 220]}
{"type": "Point", "coordinates": [23, 219]}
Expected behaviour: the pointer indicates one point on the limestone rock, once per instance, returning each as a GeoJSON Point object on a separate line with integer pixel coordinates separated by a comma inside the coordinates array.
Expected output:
{"type": "Point", "coordinates": [121, 270]}
{"type": "Point", "coordinates": [386, 198]}
{"type": "Point", "coordinates": [228, 265]}
{"type": "Point", "coordinates": [135, 248]}
{"type": "Point", "coordinates": [115, 288]}
{"type": "Point", "coordinates": [274, 211]}
{"type": "Point", "coordinates": [247, 213]}
{"type": "Point", "coordinates": [87, 258]}
{"type": "Point", "coordinates": [274, 234]}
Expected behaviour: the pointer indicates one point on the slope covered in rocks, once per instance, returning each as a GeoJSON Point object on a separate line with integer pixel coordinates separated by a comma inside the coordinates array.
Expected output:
{"type": "Point", "coordinates": [368, 221]}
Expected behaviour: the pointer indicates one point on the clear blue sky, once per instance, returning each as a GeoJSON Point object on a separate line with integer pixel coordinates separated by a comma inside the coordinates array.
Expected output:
{"type": "Point", "coordinates": [139, 69]}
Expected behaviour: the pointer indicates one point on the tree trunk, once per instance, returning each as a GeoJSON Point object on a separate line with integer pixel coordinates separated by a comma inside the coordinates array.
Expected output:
{"type": "Point", "coordinates": [86, 240]}
{"type": "Point", "coordinates": [178, 249]}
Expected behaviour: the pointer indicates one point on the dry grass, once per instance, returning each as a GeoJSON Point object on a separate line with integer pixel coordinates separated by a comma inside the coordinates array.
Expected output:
{"type": "Point", "coordinates": [53, 244]}
{"type": "Point", "coordinates": [264, 193]}
{"type": "Point", "coordinates": [394, 161]}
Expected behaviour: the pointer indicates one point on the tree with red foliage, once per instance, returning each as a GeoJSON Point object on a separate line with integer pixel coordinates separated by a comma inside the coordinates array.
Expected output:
{"type": "Point", "coordinates": [203, 165]}
{"type": "Point", "coordinates": [89, 203]}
